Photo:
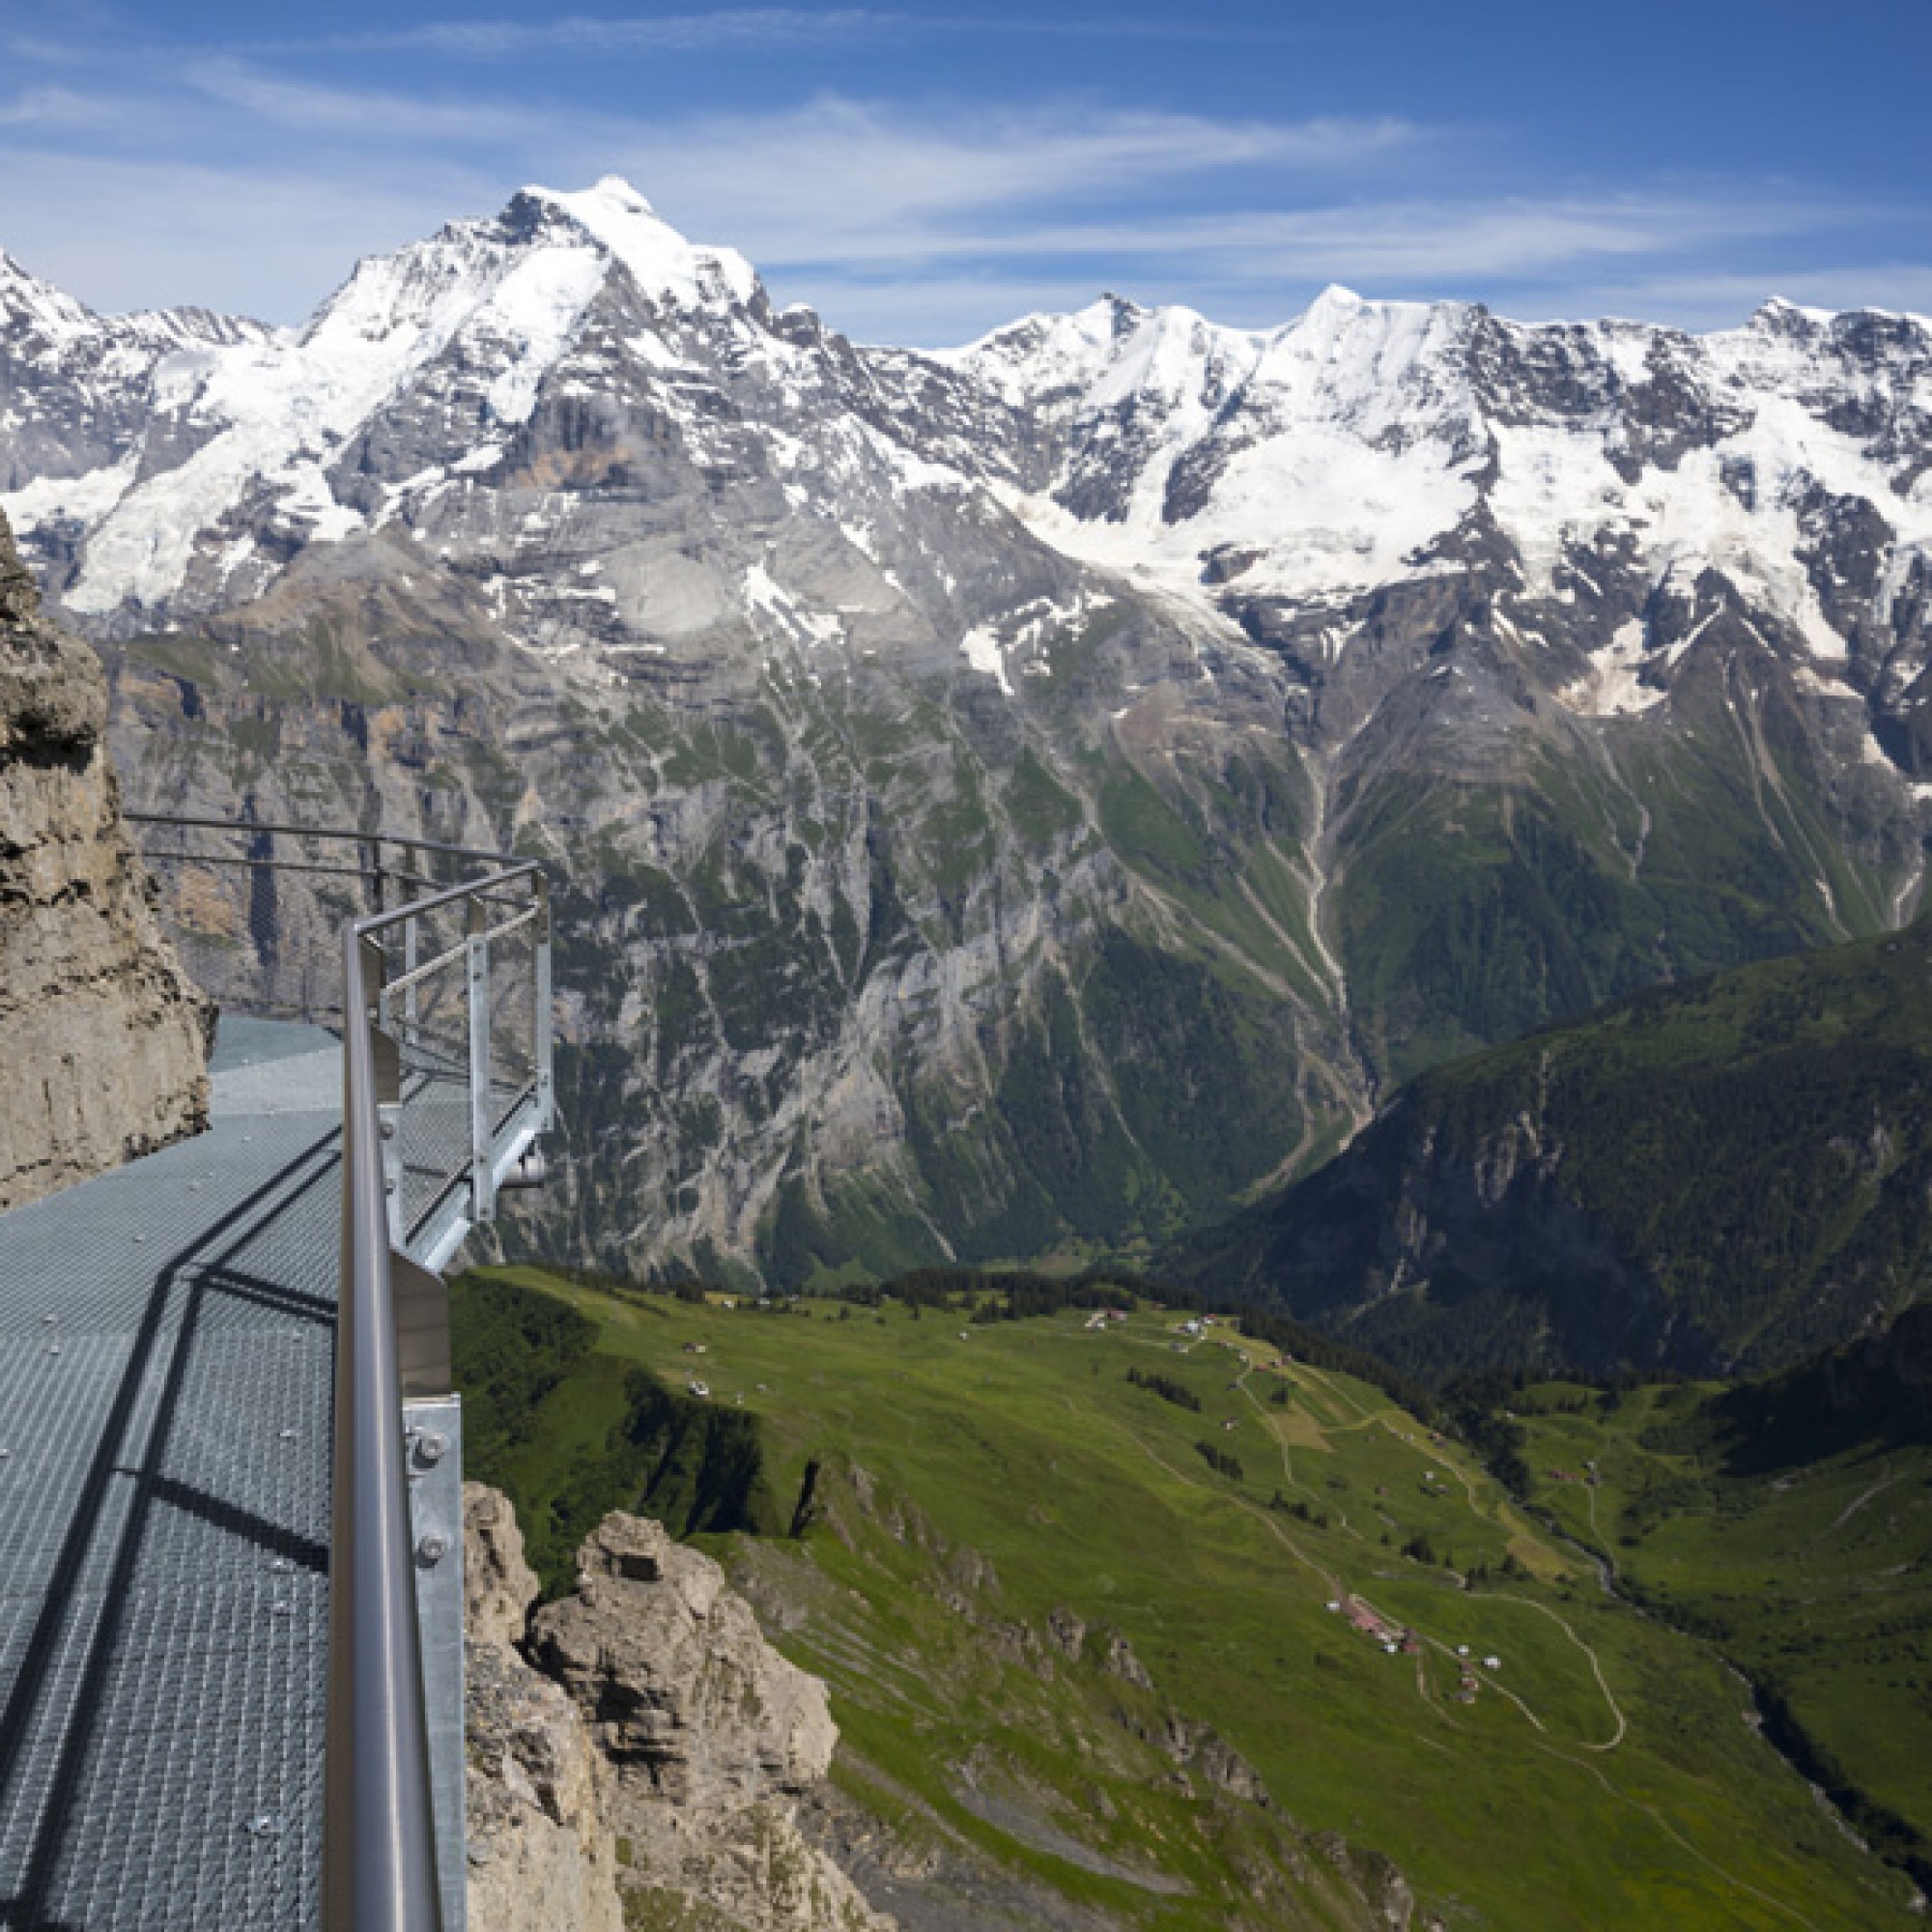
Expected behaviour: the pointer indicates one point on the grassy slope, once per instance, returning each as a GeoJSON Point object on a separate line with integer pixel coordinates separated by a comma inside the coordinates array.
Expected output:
{"type": "Point", "coordinates": [1815, 1574]}
{"type": "Point", "coordinates": [1547, 1802]}
{"type": "Point", "coordinates": [1754, 1148]}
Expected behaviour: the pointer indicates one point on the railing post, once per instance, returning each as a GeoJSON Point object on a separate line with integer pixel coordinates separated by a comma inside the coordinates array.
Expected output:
{"type": "Point", "coordinates": [411, 1011]}
{"type": "Point", "coordinates": [543, 1045]}
{"type": "Point", "coordinates": [482, 1124]}
{"type": "Point", "coordinates": [386, 1061]}
{"type": "Point", "coordinates": [378, 1836]}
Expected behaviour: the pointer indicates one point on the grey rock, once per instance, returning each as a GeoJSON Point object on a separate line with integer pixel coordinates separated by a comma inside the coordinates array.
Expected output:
{"type": "Point", "coordinates": [711, 1736]}
{"type": "Point", "coordinates": [103, 1041]}
{"type": "Point", "coordinates": [1119, 1659]}
{"type": "Point", "coordinates": [541, 1855]}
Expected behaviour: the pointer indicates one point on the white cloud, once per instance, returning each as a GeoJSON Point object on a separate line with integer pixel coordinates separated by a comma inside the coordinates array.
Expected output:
{"type": "Point", "coordinates": [848, 181]}
{"type": "Point", "coordinates": [249, 184]}
{"type": "Point", "coordinates": [56, 107]}
{"type": "Point", "coordinates": [577, 33]}
{"type": "Point", "coordinates": [131, 233]}
{"type": "Point", "coordinates": [411, 120]}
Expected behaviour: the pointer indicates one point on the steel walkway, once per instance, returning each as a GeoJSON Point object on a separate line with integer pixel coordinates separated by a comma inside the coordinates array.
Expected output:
{"type": "Point", "coordinates": [166, 1356]}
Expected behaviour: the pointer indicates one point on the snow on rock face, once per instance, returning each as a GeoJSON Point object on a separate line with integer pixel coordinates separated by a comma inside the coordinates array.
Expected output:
{"type": "Point", "coordinates": [169, 463]}
{"type": "Point", "coordinates": [665, 264]}
{"type": "Point", "coordinates": [1613, 687]}
{"type": "Point", "coordinates": [1339, 444]}
{"type": "Point", "coordinates": [270, 411]}
{"type": "Point", "coordinates": [1339, 453]}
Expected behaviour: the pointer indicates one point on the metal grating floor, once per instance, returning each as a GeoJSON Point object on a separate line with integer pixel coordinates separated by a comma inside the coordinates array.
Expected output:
{"type": "Point", "coordinates": [166, 1339]}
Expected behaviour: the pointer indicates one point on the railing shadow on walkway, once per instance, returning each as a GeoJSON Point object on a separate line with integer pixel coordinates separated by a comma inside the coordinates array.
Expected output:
{"type": "Point", "coordinates": [199, 1271]}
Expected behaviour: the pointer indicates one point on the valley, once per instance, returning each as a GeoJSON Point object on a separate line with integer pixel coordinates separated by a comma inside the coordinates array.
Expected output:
{"type": "Point", "coordinates": [1079, 1631]}
{"type": "Point", "coordinates": [1809, 1561]}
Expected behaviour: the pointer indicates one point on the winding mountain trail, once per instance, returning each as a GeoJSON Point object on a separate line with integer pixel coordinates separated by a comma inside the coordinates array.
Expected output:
{"type": "Point", "coordinates": [1331, 1579]}
{"type": "Point", "coordinates": [1596, 1666]}
{"type": "Point", "coordinates": [1658, 1818]}
{"type": "Point", "coordinates": [1442, 1460]}
{"type": "Point", "coordinates": [1586, 1766]}
{"type": "Point", "coordinates": [1852, 1508]}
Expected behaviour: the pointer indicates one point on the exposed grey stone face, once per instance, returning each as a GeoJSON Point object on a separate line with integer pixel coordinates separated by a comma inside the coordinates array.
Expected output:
{"type": "Point", "coordinates": [1024, 797]}
{"type": "Point", "coordinates": [656, 1717]}
{"type": "Point", "coordinates": [103, 1041]}
{"type": "Point", "coordinates": [541, 1854]}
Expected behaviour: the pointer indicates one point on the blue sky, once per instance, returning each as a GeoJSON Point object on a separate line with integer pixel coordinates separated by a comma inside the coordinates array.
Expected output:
{"type": "Point", "coordinates": [923, 172]}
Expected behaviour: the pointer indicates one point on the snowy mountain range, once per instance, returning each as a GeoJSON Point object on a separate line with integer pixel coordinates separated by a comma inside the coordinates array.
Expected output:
{"type": "Point", "coordinates": [1026, 795]}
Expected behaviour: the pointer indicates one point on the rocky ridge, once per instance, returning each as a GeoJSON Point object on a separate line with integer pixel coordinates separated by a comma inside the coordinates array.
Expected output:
{"type": "Point", "coordinates": [653, 1749]}
{"type": "Point", "coordinates": [103, 1040]}
{"type": "Point", "coordinates": [1023, 797]}
{"type": "Point", "coordinates": [1718, 1179]}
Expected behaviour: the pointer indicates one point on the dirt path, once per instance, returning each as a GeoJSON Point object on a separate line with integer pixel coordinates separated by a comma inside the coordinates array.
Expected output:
{"type": "Point", "coordinates": [1562, 1752]}
{"type": "Point", "coordinates": [1852, 1508]}
{"type": "Point", "coordinates": [1677, 1837]}
{"type": "Point", "coordinates": [1269, 1423]}
{"type": "Point", "coordinates": [1596, 1665]}
{"type": "Point", "coordinates": [1335, 1583]}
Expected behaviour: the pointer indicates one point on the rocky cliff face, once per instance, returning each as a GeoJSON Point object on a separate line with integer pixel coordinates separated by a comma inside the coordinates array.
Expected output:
{"type": "Point", "coordinates": [542, 1857]}
{"type": "Point", "coordinates": [1721, 1177]}
{"type": "Point", "coordinates": [1025, 797]}
{"type": "Point", "coordinates": [657, 1754]}
{"type": "Point", "coordinates": [102, 1039]}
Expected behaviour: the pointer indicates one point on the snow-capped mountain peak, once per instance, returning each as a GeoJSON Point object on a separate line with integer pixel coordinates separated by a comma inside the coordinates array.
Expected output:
{"type": "Point", "coordinates": [578, 338]}
{"type": "Point", "coordinates": [665, 264]}
{"type": "Point", "coordinates": [32, 306]}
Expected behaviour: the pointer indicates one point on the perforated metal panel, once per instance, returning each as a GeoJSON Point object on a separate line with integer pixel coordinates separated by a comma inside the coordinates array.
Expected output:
{"type": "Point", "coordinates": [166, 1337]}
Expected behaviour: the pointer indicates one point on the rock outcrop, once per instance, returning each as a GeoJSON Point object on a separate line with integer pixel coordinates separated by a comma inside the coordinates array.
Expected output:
{"type": "Point", "coordinates": [712, 1735]}
{"type": "Point", "coordinates": [102, 1038]}
{"type": "Point", "coordinates": [541, 1856]}
{"type": "Point", "coordinates": [659, 1747]}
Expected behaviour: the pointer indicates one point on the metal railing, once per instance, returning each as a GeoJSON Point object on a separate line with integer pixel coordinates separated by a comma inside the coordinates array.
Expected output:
{"type": "Point", "coordinates": [441, 992]}
{"type": "Point", "coordinates": [455, 953]}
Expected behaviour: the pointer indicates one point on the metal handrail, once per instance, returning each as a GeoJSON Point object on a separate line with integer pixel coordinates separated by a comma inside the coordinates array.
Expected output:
{"type": "Point", "coordinates": [480, 852]}
{"type": "Point", "coordinates": [379, 1836]}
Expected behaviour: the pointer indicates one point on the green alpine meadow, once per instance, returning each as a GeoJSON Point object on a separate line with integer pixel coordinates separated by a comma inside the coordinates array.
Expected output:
{"type": "Point", "coordinates": [1133, 1619]}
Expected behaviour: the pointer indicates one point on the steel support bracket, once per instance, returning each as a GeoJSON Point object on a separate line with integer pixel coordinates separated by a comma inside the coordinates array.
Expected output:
{"type": "Point", "coordinates": [433, 1432]}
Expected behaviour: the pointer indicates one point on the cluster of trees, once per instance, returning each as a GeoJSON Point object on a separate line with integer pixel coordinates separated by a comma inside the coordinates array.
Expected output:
{"type": "Point", "coordinates": [1317, 1518]}
{"type": "Point", "coordinates": [1025, 1297]}
{"type": "Point", "coordinates": [1323, 1352]}
{"type": "Point", "coordinates": [1511, 1569]}
{"type": "Point", "coordinates": [1218, 1460]}
{"type": "Point", "coordinates": [1892, 1838]}
{"type": "Point", "coordinates": [693, 1465]}
{"type": "Point", "coordinates": [513, 1348]}
{"type": "Point", "coordinates": [1166, 1387]}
